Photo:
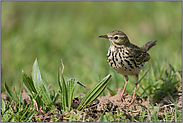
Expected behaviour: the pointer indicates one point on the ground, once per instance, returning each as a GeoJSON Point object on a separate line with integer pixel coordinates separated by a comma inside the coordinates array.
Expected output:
{"type": "Point", "coordinates": [112, 104]}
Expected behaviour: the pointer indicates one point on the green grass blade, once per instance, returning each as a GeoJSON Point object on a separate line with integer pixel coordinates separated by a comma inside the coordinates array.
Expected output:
{"type": "Point", "coordinates": [94, 92]}
{"type": "Point", "coordinates": [81, 84]}
{"type": "Point", "coordinates": [41, 86]}
{"type": "Point", "coordinates": [2, 105]}
{"type": "Point", "coordinates": [56, 96]}
{"type": "Point", "coordinates": [20, 98]}
{"type": "Point", "coordinates": [28, 83]}
{"type": "Point", "coordinates": [63, 87]}
{"type": "Point", "coordinates": [70, 119]}
{"type": "Point", "coordinates": [10, 93]}
{"type": "Point", "coordinates": [30, 115]}
{"type": "Point", "coordinates": [70, 89]}
{"type": "Point", "coordinates": [110, 91]}
{"type": "Point", "coordinates": [66, 88]}
{"type": "Point", "coordinates": [64, 94]}
{"type": "Point", "coordinates": [23, 116]}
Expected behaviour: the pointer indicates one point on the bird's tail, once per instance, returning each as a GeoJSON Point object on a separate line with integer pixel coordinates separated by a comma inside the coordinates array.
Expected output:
{"type": "Point", "coordinates": [148, 45]}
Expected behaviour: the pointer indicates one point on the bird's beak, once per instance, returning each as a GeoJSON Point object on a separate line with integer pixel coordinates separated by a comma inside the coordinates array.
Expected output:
{"type": "Point", "coordinates": [104, 36]}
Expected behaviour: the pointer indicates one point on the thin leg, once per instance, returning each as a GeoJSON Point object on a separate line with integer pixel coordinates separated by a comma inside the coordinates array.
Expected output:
{"type": "Point", "coordinates": [136, 83]}
{"type": "Point", "coordinates": [126, 77]}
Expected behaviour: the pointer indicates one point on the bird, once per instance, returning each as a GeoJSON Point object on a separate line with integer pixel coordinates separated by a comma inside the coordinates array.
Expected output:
{"type": "Point", "coordinates": [127, 58]}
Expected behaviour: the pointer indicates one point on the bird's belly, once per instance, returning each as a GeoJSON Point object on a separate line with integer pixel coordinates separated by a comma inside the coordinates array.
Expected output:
{"type": "Point", "coordinates": [124, 71]}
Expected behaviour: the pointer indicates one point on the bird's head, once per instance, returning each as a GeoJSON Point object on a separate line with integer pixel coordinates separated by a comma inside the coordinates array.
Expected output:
{"type": "Point", "coordinates": [117, 38]}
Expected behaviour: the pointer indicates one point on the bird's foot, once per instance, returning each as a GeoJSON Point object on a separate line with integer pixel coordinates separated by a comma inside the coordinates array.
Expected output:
{"type": "Point", "coordinates": [131, 102]}
{"type": "Point", "coordinates": [122, 98]}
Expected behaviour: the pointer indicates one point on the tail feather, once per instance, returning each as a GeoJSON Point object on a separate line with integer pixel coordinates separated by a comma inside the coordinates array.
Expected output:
{"type": "Point", "coordinates": [148, 45]}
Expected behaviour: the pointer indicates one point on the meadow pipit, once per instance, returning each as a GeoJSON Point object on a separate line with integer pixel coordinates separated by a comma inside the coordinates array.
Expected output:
{"type": "Point", "coordinates": [125, 57]}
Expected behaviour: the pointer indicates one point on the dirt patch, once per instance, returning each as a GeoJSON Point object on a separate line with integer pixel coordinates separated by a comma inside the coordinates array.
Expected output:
{"type": "Point", "coordinates": [112, 104]}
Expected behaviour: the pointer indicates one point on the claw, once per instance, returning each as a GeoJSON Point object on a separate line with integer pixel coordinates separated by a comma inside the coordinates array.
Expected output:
{"type": "Point", "coordinates": [131, 102]}
{"type": "Point", "coordinates": [122, 97]}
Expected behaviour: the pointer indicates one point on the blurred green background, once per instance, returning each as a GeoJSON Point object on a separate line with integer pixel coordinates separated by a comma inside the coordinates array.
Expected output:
{"type": "Point", "coordinates": [69, 31]}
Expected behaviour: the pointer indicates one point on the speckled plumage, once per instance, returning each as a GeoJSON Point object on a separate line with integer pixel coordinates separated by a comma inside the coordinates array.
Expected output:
{"type": "Point", "coordinates": [125, 57]}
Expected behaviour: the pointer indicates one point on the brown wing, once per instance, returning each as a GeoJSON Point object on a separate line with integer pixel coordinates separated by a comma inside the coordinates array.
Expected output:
{"type": "Point", "coordinates": [140, 55]}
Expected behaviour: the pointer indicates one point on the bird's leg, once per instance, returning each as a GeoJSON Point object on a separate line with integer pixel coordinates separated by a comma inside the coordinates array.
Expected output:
{"type": "Point", "coordinates": [126, 77]}
{"type": "Point", "coordinates": [136, 83]}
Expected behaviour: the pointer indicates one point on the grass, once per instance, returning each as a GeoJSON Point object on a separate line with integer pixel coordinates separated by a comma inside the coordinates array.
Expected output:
{"type": "Point", "coordinates": [69, 31]}
{"type": "Point", "coordinates": [43, 101]}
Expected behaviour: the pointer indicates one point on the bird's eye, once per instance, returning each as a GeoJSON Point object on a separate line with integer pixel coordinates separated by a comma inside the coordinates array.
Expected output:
{"type": "Point", "coordinates": [116, 37]}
